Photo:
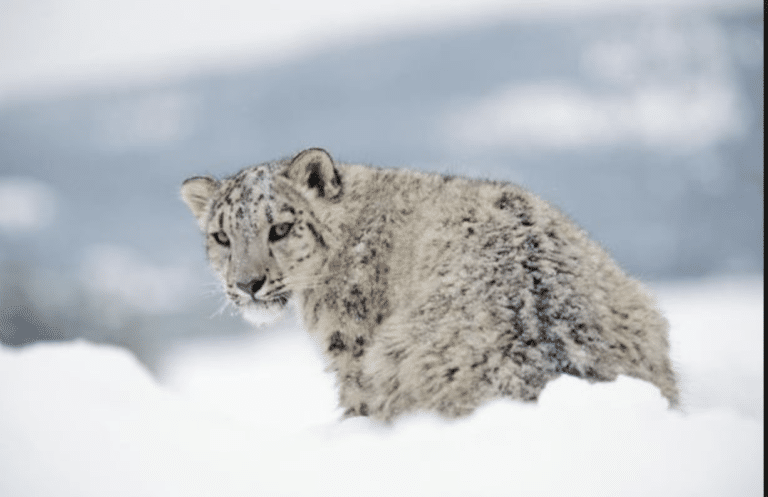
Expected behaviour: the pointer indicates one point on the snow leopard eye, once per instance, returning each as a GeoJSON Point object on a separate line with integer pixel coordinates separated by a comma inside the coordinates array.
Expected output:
{"type": "Point", "coordinates": [279, 231]}
{"type": "Point", "coordinates": [221, 238]}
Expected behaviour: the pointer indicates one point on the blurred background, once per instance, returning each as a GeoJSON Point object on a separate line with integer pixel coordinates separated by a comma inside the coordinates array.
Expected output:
{"type": "Point", "coordinates": [643, 122]}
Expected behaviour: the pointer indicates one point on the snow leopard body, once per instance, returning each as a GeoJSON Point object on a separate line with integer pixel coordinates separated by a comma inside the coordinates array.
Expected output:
{"type": "Point", "coordinates": [428, 292]}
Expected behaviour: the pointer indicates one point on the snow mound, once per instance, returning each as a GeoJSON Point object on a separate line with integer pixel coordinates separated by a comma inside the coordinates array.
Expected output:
{"type": "Point", "coordinates": [257, 416]}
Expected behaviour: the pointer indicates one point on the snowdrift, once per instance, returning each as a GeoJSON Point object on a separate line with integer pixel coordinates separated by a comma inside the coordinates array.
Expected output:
{"type": "Point", "coordinates": [257, 416]}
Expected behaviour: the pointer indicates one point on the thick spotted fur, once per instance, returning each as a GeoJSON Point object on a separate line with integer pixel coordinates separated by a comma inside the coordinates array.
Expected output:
{"type": "Point", "coordinates": [428, 292]}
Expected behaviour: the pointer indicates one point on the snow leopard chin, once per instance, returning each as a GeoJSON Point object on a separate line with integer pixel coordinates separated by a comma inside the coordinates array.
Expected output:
{"type": "Point", "coordinates": [266, 313]}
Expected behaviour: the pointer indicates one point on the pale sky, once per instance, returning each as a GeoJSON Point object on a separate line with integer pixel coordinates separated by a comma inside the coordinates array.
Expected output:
{"type": "Point", "coordinates": [55, 45]}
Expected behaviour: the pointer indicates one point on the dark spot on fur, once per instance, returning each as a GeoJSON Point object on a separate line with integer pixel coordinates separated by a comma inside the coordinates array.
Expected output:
{"type": "Point", "coordinates": [396, 354]}
{"type": "Point", "coordinates": [357, 347]}
{"type": "Point", "coordinates": [518, 326]}
{"type": "Point", "coordinates": [622, 315]}
{"type": "Point", "coordinates": [507, 201]}
{"type": "Point", "coordinates": [337, 343]}
{"type": "Point", "coordinates": [490, 242]}
{"type": "Point", "coordinates": [516, 204]}
{"type": "Point", "coordinates": [394, 387]}
{"type": "Point", "coordinates": [577, 333]}
{"type": "Point", "coordinates": [531, 243]}
{"type": "Point", "coordinates": [359, 380]}
{"type": "Point", "coordinates": [485, 378]}
{"type": "Point", "coordinates": [518, 358]}
{"type": "Point", "coordinates": [481, 361]}
{"type": "Point", "coordinates": [317, 235]}
{"type": "Point", "coordinates": [554, 351]}
{"type": "Point", "coordinates": [451, 373]}
{"type": "Point", "coordinates": [363, 409]}
{"type": "Point", "coordinates": [515, 304]}
{"type": "Point", "coordinates": [379, 318]}
{"type": "Point", "coordinates": [356, 304]}
{"type": "Point", "coordinates": [592, 374]}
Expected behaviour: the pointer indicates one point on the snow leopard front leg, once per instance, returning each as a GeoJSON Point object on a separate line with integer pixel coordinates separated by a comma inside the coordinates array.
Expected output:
{"type": "Point", "coordinates": [344, 345]}
{"type": "Point", "coordinates": [411, 370]}
{"type": "Point", "coordinates": [347, 351]}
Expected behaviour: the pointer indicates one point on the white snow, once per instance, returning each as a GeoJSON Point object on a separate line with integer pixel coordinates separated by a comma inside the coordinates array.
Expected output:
{"type": "Point", "coordinates": [257, 416]}
{"type": "Point", "coordinates": [717, 342]}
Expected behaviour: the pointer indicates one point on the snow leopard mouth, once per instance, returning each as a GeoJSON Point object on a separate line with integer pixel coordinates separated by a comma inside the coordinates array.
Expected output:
{"type": "Point", "coordinates": [277, 300]}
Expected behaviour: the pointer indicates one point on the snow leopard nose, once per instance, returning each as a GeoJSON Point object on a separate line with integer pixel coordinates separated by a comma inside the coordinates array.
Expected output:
{"type": "Point", "coordinates": [252, 286]}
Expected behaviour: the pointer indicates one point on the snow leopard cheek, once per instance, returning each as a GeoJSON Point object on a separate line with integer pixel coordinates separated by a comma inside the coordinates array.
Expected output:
{"type": "Point", "coordinates": [296, 249]}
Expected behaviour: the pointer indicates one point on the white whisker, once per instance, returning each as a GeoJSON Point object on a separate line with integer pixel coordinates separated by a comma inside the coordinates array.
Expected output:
{"type": "Point", "coordinates": [225, 303]}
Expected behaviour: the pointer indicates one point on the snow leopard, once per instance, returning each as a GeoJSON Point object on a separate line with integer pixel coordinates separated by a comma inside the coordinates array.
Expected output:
{"type": "Point", "coordinates": [428, 292]}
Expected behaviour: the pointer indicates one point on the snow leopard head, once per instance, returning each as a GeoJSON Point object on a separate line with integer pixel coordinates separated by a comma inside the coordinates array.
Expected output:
{"type": "Point", "coordinates": [262, 236]}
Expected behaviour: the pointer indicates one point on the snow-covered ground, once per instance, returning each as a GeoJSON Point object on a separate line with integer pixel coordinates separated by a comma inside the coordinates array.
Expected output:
{"type": "Point", "coordinates": [257, 416]}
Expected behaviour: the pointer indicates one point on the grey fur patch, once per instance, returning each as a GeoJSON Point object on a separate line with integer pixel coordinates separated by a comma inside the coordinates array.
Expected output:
{"type": "Point", "coordinates": [336, 343]}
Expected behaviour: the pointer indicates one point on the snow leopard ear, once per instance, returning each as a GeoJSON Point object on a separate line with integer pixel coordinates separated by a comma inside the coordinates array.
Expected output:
{"type": "Point", "coordinates": [313, 169]}
{"type": "Point", "coordinates": [196, 192]}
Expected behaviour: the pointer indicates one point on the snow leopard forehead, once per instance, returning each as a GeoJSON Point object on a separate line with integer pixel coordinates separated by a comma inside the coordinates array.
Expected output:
{"type": "Point", "coordinates": [246, 200]}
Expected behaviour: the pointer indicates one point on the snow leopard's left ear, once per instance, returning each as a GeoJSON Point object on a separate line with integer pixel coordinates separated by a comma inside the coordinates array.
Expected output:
{"type": "Point", "coordinates": [196, 193]}
{"type": "Point", "coordinates": [313, 170]}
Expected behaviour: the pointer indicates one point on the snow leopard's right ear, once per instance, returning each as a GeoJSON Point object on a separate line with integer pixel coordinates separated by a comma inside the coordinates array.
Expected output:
{"type": "Point", "coordinates": [196, 192]}
{"type": "Point", "coordinates": [313, 171]}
